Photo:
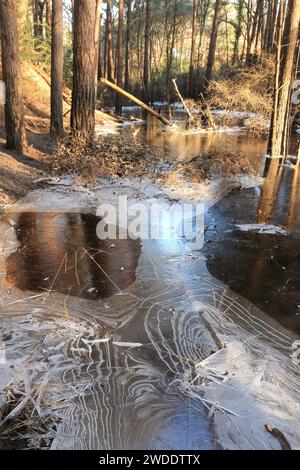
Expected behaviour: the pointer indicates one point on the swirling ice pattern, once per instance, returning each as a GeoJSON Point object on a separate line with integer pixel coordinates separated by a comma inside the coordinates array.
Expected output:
{"type": "Point", "coordinates": [178, 389]}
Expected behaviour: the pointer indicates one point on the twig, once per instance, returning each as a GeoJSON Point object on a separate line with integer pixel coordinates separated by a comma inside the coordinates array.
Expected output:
{"type": "Point", "coordinates": [285, 445]}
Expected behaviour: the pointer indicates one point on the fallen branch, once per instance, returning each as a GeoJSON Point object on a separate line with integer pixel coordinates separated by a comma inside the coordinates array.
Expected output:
{"type": "Point", "coordinates": [135, 100]}
{"type": "Point", "coordinates": [181, 99]}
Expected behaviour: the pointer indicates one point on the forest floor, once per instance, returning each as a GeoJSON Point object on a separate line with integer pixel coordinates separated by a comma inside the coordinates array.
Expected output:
{"type": "Point", "coordinates": [18, 173]}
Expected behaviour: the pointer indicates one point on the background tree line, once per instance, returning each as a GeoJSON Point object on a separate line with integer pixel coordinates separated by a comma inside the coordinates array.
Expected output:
{"type": "Point", "coordinates": [141, 45]}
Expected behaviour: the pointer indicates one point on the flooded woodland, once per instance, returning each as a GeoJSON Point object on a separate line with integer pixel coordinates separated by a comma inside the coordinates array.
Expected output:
{"type": "Point", "coordinates": [150, 243]}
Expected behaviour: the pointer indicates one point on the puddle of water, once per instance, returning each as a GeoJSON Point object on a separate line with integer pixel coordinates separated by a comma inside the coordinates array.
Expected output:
{"type": "Point", "coordinates": [177, 145]}
{"type": "Point", "coordinates": [265, 268]}
{"type": "Point", "coordinates": [61, 252]}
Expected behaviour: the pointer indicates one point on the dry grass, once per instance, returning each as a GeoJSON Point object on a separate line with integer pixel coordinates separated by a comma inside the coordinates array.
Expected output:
{"type": "Point", "coordinates": [122, 156]}
{"type": "Point", "coordinates": [108, 155]}
{"type": "Point", "coordinates": [212, 163]}
{"type": "Point", "coordinates": [24, 428]}
{"type": "Point", "coordinates": [250, 90]}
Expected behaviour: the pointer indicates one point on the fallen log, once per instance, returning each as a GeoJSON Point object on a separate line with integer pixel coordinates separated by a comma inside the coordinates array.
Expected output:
{"type": "Point", "coordinates": [135, 100]}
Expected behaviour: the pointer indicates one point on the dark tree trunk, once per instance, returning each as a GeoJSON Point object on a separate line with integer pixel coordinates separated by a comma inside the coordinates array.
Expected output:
{"type": "Point", "coordinates": [35, 12]}
{"type": "Point", "coordinates": [202, 18]}
{"type": "Point", "coordinates": [119, 57]}
{"type": "Point", "coordinates": [105, 51]}
{"type": "Point", "coordinates": [146, 53]}
{"type": "Point", "coordinates": [253, 33]}
{"type": "Point", "coordinates": [83, 95]}
{"type": "Point", "coordinates": [48, 17]}
{"type": "Point", "coordinates": [238, 32]}
{"type": "Point", "coordinates": [286, 48]}
{"type": "Point", "coordinates": [270, 26]}
{"type": "Point", "coordinates": [192, 57]}
{"type": "Point", "coordinates": [213, 43]}
{"type": "Point", "coordinates": [110, 58]}
{"type": "Point", "coordinates": [127, 47]}
{"type": "Point", "coordinates": [14, 109]}
{"type": "Point", "coordinates": [57, 66]}
{"type": "Point", "coordinates": [170, 34]}
{"type": "Point", "coordinates": [97, 42]}
{"type": "Point", "coordinates": [40, 13]}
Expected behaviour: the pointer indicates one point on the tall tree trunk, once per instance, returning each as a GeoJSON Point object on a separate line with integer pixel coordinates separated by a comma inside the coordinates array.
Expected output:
{"type": "Point", "coordinates": [238, 32]}
{"type": "Point", "coordinates": [97, 41]}
{"type": "Point", "coordinates": [270, 26]}
{"type": "Point", "coordinates": [35, 12]}
{"type": "Point", "coordinates": [253, 33]}
{"type": "Point", "coordinates": [283, 78]}
{"type": "Point", "coordinates": [127, 47]}
{"type": "Point", "coordinates": [83, 95]}
{"type": "Point", "coordinates": [170, 50]}
{"type": "Point", "coordinates": [14, 109]}
{"type": "Point", "coordinates": [48, 18]}
{"type": "Point", "coordinates": [192, 56]}
{"type": "Point", "coordinates": [110, 58]}
{"type": "Point", "coordinates": [146, 53]}
{"type": "Point", "coordinates": [41, 5]}
{"type": "Point", "coordinates": [119, 57]}
{"type": "Point", "coordinates": [213, 43]}
{"type": "Point", "coordinates": [105, 51]}
{"type": "Point", "coordinates": [57, 66]}
{"type": "Point", "coordinates": [203, 8]}
{"type": "Point", "coordinates": [48, 12]}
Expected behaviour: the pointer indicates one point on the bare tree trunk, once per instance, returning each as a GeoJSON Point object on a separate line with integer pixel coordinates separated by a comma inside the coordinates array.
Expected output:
{"type": "Point", "coordinates": [57, 68]}
{"type": "Point", "coordinates": [83, 95]}
{"type": "Point", "coordinates": [35, 12]}
{"type": "Point", "coordinates": [238, 32]}
{"type": "Point", "coordinates": [127, 47]}
{"type": "Point", "coordinates": [48, 18]}
{"type": "Point", "coordinates": [105, 52]}
{"type": "Point", "coordinates": [286, 48]}
{"type": "Point", "coordinates": [202, 17]}
{"type": "Point", "coordinates": [97, 40]}
{"type": "Point", "coordinates": [146, 53]}
{"type": "Point", "coordinates": [40, 13]}
{"type": "Point", "coordinates": [192, 56]}
{"type": "Point", "coordinates": [48, 12]}
{"type": "Point", "coordinates": [170, 51]}
{"type": "Point", "coordinates": [119, 57]}
{"type": "Point", "coordinates": [213, 43]}
{"type": "Point", "coordinates": [270, 26]}
{"type": "Point", "coordinates": [110, 59]}
{"type": "Point", "coordinates": [14, 109]}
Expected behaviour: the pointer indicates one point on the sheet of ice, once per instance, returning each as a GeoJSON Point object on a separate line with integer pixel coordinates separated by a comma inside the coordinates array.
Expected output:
{"type": "Point", "coordinates": [237, 114]}
{"type": "Point", "coordinates": [140, 368]}
{"type": "Point", "coordinates": [262, 228]}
